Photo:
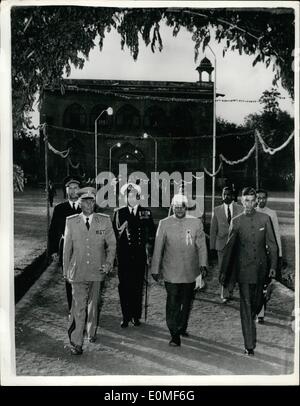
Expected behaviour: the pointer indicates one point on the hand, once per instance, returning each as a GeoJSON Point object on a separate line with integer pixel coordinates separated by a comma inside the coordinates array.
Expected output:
{"type": "Point", "coordinates": [198, 282]}
{"type": "Point", "coordinates": [54, 256]}
{"type": "Point", "coordinates": [155, 276]}
{"type": "Point", "coordinates": [105, 268]}
{"type": "Point", "coordinates": [272, 273]}
{"type": "Point", "coordinates": [203, 271]}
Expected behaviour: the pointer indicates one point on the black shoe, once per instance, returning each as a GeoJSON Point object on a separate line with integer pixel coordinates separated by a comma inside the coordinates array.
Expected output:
{"type": "Point", "coordinates": [92, 339]}
{"type": "Point", "coordinates": [249, 352]}
{"type": "Point", "coordinates": [175, 341]}
{"type": "Point", "coordinates": [76, 350]}
{"type": "Point", "coordinates": [124, 324]}
{"type": "Point", "coordinates": [184, 334]}
{"type": "Point", "coordinates": [136, 322]}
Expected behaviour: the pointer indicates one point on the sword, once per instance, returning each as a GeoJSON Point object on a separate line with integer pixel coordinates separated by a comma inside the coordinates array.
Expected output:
{"type": "Point", "coordinates": [146, 291]}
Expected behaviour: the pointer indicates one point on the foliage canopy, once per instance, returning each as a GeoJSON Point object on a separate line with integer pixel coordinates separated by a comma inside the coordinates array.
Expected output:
{"type": "Point", "coordinates": [48, 40]}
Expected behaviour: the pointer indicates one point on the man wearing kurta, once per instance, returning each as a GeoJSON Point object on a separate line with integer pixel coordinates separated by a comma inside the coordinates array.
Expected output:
{"type": "Point", "coordinates": [89, 252]}
{"type": "Point", "coordinates": [180, 254]}
{"type": "Point", "coordinates": [219, 232]}
{"type": "Point", "coordinates": [250, 234]}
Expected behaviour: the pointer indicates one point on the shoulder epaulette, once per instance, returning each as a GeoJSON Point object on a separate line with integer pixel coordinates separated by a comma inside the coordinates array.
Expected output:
{"type": "Point", "coordinates": [73, 216]}
{"type": "Point", "coordinates": [102, 214]}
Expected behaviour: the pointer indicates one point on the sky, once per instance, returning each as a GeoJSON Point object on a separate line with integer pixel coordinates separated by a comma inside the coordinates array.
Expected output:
{"type": "Point", "coordinates": [236, 77]}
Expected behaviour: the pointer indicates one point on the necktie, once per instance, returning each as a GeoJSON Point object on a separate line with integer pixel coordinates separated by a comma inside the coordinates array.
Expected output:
{"type": "Point", "coordinates": [228, 214]}
{"type": "Point", "coordinates": [74, 208]}
{"type": "Point", "coordinates": [87, 223]}
{"type": "Point", "coordinates": [132, 213]}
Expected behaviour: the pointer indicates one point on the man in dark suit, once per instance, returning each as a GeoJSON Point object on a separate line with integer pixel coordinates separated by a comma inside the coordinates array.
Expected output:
{"type": "Point", "coordinates": [57, 226]}
{"type": "Point", "coordinates": [250, 235]}
{"type": "Point", "coordinates": [135, 231]}
{"type": "Point", "coordinates": [219, 232]}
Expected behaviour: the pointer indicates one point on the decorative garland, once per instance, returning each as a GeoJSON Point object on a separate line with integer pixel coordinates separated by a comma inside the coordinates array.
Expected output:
{"type": "Point", "coordinates": [240, 160]}
{"type": "Point", "coordinates": [217, 171]}
{"type": "Point", "coordinates": [114, 136]}
{"type": "Point", "coordinates": [62, 154]}
{"type": "Point", "coordinates": [270, 150]}
{"type": "Point", "coordinates": [157, 98]}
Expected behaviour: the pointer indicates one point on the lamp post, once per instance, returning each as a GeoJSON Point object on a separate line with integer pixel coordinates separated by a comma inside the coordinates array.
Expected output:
{"type": "Point", "coordinates": [110, 112]}
{"type": "Point", "coordinates": [118, 144]}
{"type": "Point", "coordinates": [146, 136]}
{"type": "Point", "coordinates": [214, 137]}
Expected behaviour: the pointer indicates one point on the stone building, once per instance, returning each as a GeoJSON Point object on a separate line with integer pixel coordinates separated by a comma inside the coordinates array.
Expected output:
{"type": "Point", "coordinates": [177, 116]}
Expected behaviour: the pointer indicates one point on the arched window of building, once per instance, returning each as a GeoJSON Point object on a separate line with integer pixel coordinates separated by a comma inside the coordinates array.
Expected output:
{"type": "Point", "coordinates": [104, 122]}
{"type": "Point", "coordinates": [155, 119]}
{"type": "Point", "coordinates": [75, 117]}
{"type": "Point", "coordinates": [128, 118]}
{"type": "Point", "coordinates": [182, 122]}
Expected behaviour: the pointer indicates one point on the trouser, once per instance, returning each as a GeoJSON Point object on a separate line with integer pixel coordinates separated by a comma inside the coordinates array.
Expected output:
{"type": "Point", "coordinates": [179, 303]}
{"type": "Point", "coordinates": [131, 279]}
{"type": "Point", "coordinates": [227, 291]}
{"type": "Point", "coordinates": [68, 284]}
{"type": "Point", "coordinates": [251, 299]}
{"type": "Point", "coordinates": [69, 294]}
{"type": "Point", "coordinates": [84, 311]}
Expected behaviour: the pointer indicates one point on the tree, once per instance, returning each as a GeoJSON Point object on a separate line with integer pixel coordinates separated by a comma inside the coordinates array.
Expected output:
{"type": "Point", "coordinates": [275, 126]}
{"type": "Point", "coordinates": [48, 40]}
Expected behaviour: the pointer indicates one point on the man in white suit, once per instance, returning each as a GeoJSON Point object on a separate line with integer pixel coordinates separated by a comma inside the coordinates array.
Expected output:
{"type": "Point", "coordinates": [219, 232]}
{"type": "Point", "coordinates": [89, 252]}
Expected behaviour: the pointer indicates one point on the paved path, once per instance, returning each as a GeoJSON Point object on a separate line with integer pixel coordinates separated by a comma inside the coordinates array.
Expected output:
{"type": "Point", "coordinates": [213, 348]}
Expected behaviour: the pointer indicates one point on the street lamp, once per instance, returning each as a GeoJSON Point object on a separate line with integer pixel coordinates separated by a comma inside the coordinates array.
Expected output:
{"type": "Point", "coordinates": [118, 144]}
{"type": "Point", "coordinates": [110, 112]}
{"type": "Point", "coordinates": [146, 136]}
{"type": "Point", "coordinates": [214, 136]}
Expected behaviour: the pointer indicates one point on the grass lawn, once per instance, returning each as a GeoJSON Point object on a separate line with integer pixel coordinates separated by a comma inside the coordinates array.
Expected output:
{"type": "Point", "coordinates": [30, 227]}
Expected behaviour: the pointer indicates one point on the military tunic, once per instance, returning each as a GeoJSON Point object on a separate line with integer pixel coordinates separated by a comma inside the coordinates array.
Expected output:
{"type": "Point", "coordinates": [85, 251]}
{"type": "Point", "coordinates": [135, 235]}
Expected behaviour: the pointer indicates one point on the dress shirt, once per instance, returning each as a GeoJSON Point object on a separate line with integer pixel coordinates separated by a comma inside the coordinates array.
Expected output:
{"type": "Point", "coordinates": [230, 208]}
{"type": "Point", "coordinates": [134, 209]}
{"type": "Point", "coordinates": [76, 204]}
{"type": "Point", "coordinates": [90, 217]}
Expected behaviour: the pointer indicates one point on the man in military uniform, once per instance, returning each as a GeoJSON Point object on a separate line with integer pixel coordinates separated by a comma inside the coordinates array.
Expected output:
{"type": "Point", "coordinates": [57, 227]}
{"type": "Point", "coordinates": [180, 253]}
{"type": "Point", "coordinates": [246, 253]}
{"type": "Point", "coordinates": [134, 229]}
{"type": "Point", "coordinates": [219, 232]}
{"type": "Point", "coordinates": [89, 253]}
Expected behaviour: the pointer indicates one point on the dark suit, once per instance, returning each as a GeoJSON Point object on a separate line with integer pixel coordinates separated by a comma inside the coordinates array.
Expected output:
{"type": "Point", "coordinates": [246, 253]}
{"type": "Point", "coordinates": [219, 230]}
{"type": "Point", "coordinates": [56, 232]}
{"type": "Point", "coordinates": [133, 233]}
